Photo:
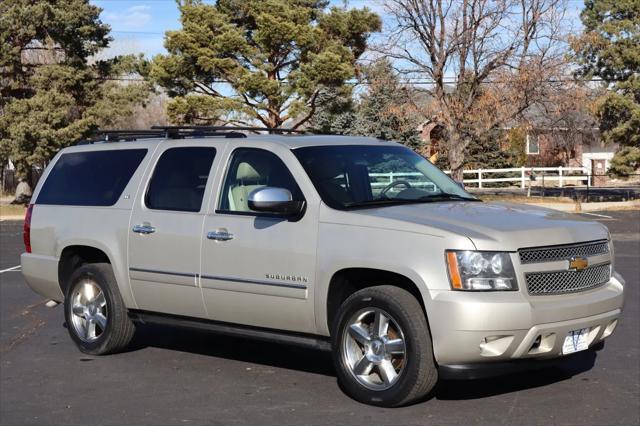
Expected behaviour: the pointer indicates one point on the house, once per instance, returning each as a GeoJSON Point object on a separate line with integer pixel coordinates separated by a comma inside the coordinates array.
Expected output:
{"type": "Point", "coordinates": [552, 147]}
{"type": "Point", "coordinates": [572, 141]}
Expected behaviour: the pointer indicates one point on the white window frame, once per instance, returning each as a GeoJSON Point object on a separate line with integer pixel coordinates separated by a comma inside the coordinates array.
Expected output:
{"type": "Point", "coordinates": [537, 143]}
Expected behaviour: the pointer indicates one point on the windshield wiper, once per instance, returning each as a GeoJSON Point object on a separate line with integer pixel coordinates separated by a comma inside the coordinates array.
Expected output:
{"type": "Point", "coordinates": [398, 201]}
{"type": "Point", "coordinates": [381, 202]}
{"type": "Point", "coordinates": [447, 196]}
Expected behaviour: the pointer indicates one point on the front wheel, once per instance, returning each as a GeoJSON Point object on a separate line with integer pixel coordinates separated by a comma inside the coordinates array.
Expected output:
{"type": "Point", "coordinates": [382, 347]}
{"type": "Point", "coordinates": [95, 314]}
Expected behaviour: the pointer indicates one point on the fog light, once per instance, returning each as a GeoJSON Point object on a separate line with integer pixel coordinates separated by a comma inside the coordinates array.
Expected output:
{"type": "Point", "coordinates": [612, 326]}
{"type": "Point", "coordinates": [495, 345]}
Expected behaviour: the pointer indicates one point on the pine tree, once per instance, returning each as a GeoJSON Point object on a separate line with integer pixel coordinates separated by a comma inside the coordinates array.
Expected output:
{"type": "Point", "coordinates": [609, 48]}
{"type": "Point", "coordinates": [383, 111]}
{"type": "Point", "coordinates": [52, 94]}
{"type": "Point", "coordinates": [264, 61]}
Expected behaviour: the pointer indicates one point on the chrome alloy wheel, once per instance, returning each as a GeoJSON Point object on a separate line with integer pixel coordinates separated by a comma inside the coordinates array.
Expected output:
{"type": "Point", "coordinates": [88, 310]}
{"type": "Point", "coordinates": [373, 349]}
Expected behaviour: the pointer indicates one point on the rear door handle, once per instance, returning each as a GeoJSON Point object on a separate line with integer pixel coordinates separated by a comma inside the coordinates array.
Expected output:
{"type": "Point", "coordinates": [220, 235]}
{"type": "Point", "coordinates": [143, 229]}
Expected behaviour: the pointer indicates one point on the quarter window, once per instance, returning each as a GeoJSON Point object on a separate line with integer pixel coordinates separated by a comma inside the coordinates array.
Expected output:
{"type": "Point", "coordinates": [179, 179]}
{"type": "Point", "coordinates": [93, 178]}
{"type": "Point", "coordinates": [251, 169]}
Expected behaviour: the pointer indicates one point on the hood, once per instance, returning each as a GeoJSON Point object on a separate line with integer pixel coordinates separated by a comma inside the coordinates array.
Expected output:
{"type": "Point", "coordinates": [490, 226]}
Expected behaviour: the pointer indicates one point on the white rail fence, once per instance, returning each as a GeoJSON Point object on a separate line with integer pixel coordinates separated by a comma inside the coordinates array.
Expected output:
{"type": "Point", "coordinates": [520, 176]}
{"type": "Point", "coordinates": [542, 175]}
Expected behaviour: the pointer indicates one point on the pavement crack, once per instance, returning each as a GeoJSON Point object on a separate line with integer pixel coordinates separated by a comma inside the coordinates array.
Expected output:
{"type": "Point", "coordinates": [30, 330]}
{"type": "Point", "coordinates": [28, 310]}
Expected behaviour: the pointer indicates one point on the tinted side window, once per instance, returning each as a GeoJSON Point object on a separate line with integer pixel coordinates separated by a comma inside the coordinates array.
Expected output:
{"type": "Point", "coordinates": [251, 169]}
{"type": "Point", "coordinates": [179, 180]}
{"type": "Point", "coordinates": [95, 178]}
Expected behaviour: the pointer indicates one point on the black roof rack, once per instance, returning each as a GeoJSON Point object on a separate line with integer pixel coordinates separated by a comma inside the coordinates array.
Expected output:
{"type": "Point", "coordinates": [276, 130]}
{"type": "Point", "coordinates": [180, 132]}
{"type": "Point", "coordinates": [244, 128]}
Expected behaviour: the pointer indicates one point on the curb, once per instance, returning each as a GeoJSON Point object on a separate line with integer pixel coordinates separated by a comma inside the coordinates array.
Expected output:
{"type": "Point", "coordinates": [11, 217]}
{"type": "Point", "coordinates": [589, 207]}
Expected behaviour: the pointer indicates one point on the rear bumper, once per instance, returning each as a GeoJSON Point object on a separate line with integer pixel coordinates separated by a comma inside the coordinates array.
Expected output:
{"type": "Point", "coordinates": [470, 328]}
{"type": "Point", "coordinates": [41, 274]}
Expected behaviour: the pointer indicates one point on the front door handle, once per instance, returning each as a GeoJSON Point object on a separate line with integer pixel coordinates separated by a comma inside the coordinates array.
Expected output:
{"type": "Point", "coordinates": [143, 229]}
{"type": "Point", "coordinates": [220, 235]}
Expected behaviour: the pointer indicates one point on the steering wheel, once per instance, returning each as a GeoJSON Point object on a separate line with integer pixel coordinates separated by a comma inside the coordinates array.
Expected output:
{"type": "Point", "coordinates": [393, 185]}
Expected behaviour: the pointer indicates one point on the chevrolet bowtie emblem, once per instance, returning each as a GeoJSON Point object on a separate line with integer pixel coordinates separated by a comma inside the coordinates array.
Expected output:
{"type": "Point", "coordinates": [578, 263]}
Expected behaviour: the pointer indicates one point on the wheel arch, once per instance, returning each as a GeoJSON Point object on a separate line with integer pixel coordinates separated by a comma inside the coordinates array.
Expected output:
{"type": "Point", "coordinates": [347, 281]}
{"type": "Point", "coordinates": [76, 253]}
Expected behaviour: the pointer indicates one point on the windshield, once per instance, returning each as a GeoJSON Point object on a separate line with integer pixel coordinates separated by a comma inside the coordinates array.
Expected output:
{"type": "Point", "coordinates": [354, 176]}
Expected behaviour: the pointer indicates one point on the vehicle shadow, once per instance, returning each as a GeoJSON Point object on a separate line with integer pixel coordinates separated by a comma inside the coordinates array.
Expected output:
{"type": "Point", "coordinates": [319, 362]}
{"type": "Point", "coordinates": [233, 348]}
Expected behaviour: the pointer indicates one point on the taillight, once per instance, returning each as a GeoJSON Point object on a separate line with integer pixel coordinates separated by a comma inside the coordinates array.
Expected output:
{"type": "Point", "coordinates": [26, 235]}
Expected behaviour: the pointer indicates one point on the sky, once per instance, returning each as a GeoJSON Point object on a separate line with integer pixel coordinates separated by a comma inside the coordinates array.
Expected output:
{"type": "Point", "coordinates": [138, 26]}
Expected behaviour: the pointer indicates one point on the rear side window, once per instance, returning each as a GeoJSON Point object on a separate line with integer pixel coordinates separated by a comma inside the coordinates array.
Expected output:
{"type": "Point", "coordinates": [179, 179]}
{"type": "Point", "coordinates": [95, 178]}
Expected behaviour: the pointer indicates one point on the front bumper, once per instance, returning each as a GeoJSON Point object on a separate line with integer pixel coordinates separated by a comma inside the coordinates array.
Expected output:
{"type": "Point", "coordinates": [579, 361]}
{"type": "Point", "coordinates": [469, 327]}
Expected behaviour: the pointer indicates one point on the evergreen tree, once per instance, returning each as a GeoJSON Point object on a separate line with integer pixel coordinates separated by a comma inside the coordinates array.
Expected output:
{"type": "Point", "coordinates": [386, 111]}
{"type": "Point", "coordinates": [52, 95]}
{"type": "Point", "coordinates": [383, 111]}
{"type": "Point", "coordinates": [336, 112]}
{"type": "Point", "coordinates": [265, 61]}
{"type": "Point", "coordinates": [610, 49]}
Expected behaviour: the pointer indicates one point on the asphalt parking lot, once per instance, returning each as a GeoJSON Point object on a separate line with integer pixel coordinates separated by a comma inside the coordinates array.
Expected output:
{"type": "Point", "coordinates": [174, 376]}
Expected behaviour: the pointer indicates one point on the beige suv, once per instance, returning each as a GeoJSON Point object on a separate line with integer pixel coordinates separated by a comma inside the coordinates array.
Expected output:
{"type": "Point", "coordinates": [345, 243]}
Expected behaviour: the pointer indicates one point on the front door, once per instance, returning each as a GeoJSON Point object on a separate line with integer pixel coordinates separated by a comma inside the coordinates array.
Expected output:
{"type": "Point", "coordinates": [166, 228]}
{"type": "Point", "coordinates": [258, 269]}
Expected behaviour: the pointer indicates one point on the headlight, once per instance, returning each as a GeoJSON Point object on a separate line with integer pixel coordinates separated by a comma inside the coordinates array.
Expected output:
{"type": "Point", "coordinates": [480, 270]}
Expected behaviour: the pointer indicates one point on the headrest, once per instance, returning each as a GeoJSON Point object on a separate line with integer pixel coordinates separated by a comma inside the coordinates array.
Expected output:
{"type": "Point", "coordinates": [253, 169]}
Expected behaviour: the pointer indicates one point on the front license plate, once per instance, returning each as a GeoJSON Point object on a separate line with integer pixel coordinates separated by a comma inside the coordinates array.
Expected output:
{"type": "Point", "coordinates": [576, 341]}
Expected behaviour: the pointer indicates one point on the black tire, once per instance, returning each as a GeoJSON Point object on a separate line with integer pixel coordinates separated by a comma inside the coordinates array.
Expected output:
{"type": "Point", "coordinates": [419, 373]}
{"type": "Point", "coordinates": [119, 328]}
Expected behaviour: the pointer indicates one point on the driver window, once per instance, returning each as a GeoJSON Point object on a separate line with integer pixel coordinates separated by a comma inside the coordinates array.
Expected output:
{"type": "Point", "coordinates": [251, 169]}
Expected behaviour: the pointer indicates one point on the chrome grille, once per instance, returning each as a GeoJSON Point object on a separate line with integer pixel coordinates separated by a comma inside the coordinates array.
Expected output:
{"type": "Point", "coordinates": [543, 283]}
{"type": "Point", "coordinates": [552, 254]}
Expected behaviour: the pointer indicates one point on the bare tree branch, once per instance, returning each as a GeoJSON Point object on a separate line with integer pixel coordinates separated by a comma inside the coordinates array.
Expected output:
{"type": "Point", "coordinates": [501, 54]}
{"type": "Point", "coordinates": [312, 110]}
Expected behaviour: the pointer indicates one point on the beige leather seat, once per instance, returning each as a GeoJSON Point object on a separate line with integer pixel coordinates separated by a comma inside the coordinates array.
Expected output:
{"type": "Point", "coordinates": [251, 174]}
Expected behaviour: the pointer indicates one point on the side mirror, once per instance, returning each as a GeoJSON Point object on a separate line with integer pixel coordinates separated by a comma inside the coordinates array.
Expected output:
{"type": "Point", "coordinates": [269, 199]}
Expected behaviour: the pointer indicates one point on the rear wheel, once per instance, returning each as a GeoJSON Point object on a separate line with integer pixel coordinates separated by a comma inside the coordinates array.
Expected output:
{"type": "Point", "coordinates": [382, 347]}
{"type": "Point", "coordinates": [96, 317]}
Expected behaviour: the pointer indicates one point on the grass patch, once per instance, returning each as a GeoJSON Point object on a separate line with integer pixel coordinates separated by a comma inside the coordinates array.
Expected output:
{"type": "Point", "coordinates": [12, 210]}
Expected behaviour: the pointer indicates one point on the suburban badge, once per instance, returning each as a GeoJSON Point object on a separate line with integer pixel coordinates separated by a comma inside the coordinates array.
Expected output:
{"type": "Point", "coordinates": [287, 277]}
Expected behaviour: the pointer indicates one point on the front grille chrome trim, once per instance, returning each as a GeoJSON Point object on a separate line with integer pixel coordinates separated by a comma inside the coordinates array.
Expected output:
{"type": "Point", "coordinates": [562, 252]}
{"type": "Point", "coordinates": [564, 282]}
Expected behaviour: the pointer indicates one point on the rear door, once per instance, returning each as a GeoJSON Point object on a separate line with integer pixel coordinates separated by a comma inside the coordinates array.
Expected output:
{"type": "Point", "coordinates": [166, 228]}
